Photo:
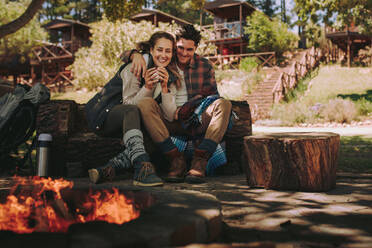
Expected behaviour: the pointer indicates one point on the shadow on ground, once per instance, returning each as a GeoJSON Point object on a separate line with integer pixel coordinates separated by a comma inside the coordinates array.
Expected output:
{"type": "Point", "coordinates": [355, 97]}
{"type": "Point", "coordinates": [336, 218]}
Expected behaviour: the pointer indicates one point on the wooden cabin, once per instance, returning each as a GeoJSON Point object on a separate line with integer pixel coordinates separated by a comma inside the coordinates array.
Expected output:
{"type": "Point", "coordinates": [229, 20]}
{"type": "Point", "coordinates": [51, 60]}
{"type": "Point", "coordinates": [156, 16]}
{"type": "Point", "coordinates": [349, 40]}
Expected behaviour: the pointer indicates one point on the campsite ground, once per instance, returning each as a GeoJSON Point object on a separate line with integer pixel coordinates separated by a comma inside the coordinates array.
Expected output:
{"type": "Point", "coordinates": [257, 217]}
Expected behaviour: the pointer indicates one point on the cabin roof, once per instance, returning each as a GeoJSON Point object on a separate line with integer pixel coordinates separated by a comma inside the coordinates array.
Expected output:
{"type": "Point", "coordinates": [228, 8]}
{"type": "Point", "coordinates": [345, 34]}
{"type": "Point", "coordinates": [61, 23]}
{"type": "Point", "coordinates": [148, 14]}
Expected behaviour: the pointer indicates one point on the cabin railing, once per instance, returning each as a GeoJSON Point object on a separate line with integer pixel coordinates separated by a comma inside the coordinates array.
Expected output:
{"type": "Point", "coordinates": [233, 60]}
{"type": "Point", "coordinates": [64, 49]}
{"type": "Point", "coordinates": [289, 80]}
{"type": "Point", "coordinates": [329, 30]}
{"type": "Point", "coordinates": [225, 30]}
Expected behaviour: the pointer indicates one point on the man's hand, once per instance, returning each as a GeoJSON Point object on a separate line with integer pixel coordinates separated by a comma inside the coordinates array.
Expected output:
{"type": "Point", "coordinates": [138, 65]}
{"type": "Point", "coordinates": [176, 113]}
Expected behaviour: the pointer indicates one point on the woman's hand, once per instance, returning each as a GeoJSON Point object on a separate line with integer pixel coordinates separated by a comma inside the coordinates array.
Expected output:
{"type": "Point", "coordinates": [151, 78]}
{"type": "Point", "coordinates": [163, 78]}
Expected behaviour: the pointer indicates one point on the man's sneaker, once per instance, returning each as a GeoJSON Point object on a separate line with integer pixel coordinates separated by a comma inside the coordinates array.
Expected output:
{"type": "Point", "coordinates": [97, 175]}
{"type": "Point", "coordinates": [145, 176]}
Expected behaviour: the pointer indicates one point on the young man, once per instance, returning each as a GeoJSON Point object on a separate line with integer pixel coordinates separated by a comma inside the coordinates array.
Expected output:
{"type": "Point", "coordinates": [197, 81]}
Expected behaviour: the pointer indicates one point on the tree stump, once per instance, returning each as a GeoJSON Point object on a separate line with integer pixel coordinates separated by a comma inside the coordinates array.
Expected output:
{"type": "Point", "coordinates": [292, 161]}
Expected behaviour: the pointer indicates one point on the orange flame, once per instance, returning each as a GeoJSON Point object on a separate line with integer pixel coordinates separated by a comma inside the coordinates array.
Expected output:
{"type": "Point", "coordinates": [34, 211]}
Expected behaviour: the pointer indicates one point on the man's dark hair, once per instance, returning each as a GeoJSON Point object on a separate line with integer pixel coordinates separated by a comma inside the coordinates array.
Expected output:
{"type": "Point", "coordinates": [188, 32]}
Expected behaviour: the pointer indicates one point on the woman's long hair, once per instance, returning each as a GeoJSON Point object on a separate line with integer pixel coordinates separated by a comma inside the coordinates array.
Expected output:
{"type": "Point", "coordinates": [145, 47]}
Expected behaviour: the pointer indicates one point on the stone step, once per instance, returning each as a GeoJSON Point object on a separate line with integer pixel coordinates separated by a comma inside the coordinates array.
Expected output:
{"type": "Point", "coordinates": [262, 95]}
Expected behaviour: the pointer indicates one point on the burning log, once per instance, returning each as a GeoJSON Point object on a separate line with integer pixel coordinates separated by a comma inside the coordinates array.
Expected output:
{"type": "Point", "coordinates": [41, 208]}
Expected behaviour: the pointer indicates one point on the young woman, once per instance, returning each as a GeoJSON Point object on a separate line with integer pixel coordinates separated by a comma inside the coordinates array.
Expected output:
{"type": "Point", "coordinates": [113, 113]}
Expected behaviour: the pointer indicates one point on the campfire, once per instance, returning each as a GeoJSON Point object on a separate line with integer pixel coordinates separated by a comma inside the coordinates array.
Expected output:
{"type": "Point", "coordinates": [45, 205]}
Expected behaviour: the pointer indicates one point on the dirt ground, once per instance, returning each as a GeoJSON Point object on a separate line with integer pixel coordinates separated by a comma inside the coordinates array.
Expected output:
{"type": "Point", "coordinates": [256, 217]}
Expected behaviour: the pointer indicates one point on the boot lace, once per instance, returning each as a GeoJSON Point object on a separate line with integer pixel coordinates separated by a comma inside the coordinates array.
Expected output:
{"type": "Point", "coordinates": [146, 169]}
{"type": "Point", "coordinates": [108, 173]}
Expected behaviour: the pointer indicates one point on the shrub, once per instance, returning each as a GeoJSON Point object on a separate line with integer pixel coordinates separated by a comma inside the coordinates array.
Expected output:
{"type": "Point", "coordinates": [94, 66]}
{"type": "Point", "coordinates": [339, 110]}
{"type": "Point", "coordinates": [293, 113]}
{"type": "Point", "coordinates": [248, 64]}
{"type": "Point", "coordinates": [266, 35]}
{"type": "Point", "coordinates": [364, 106]}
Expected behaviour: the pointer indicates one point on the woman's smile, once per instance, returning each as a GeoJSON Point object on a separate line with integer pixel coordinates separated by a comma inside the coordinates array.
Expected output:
{"type": "Point", "coordinates": [162, 52]}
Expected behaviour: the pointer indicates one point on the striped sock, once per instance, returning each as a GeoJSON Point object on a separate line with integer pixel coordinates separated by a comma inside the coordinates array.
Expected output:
{"type": "Point", "coordinates": [133, 141]}
{"type": "Point", "coordinates": [121, 161]}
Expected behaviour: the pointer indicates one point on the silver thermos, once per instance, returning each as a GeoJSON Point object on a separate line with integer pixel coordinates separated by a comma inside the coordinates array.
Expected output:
{"type": "Point", "coordinates": [43, 153]}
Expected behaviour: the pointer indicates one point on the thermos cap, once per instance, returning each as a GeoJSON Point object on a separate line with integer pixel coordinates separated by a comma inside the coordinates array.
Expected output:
{"type": "Point", "coordinates": [45, 137]}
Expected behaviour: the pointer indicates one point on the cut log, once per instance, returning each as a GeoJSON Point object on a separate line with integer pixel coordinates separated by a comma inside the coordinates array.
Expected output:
{"type": "Point", "coordinates": [74, 149]}
{"type": "Point", "coordinates": [292, 161]}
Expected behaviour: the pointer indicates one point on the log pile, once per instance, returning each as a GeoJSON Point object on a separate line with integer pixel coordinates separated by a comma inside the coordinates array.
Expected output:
{"type": "Point", "coordinates": [75, 149]}
{"type": "Point", "coordinates": [234, 137]}
{"type": "Point", "coordinates": [292, 161]}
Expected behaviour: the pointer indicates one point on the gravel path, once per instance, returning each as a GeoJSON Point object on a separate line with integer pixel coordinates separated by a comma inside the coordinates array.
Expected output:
{"type": "Point", "coordinates": [365, 131]}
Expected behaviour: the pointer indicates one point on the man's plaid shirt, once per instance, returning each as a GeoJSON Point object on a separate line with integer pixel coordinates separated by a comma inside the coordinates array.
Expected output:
{"type": "Point", "coordinates": [199, 76]}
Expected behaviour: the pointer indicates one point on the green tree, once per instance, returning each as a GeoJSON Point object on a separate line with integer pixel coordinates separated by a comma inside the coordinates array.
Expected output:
{"type": "Point", "coordinates": [121, 9]}
{"type": "Point", "coordinates": [12, 25]}
{"type": "Point", "coordinates": [184, 9]}
{"type": "Point", "coordinates": [21, 41]}
{"type": "Point", "coordinates": [86, 10]}
{"type": "Point", "coordinates": [358, 12]}
{"type": "Point", "coordinates": [267, 6]}
{"type": "Point", "coordinates": [266, 35]}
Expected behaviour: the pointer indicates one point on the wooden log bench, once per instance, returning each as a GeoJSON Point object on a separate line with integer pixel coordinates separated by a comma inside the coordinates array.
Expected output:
{"type": "Point", "coordinates": [303, 161]}
{"type": "Point", "coordinates": [75, 148]}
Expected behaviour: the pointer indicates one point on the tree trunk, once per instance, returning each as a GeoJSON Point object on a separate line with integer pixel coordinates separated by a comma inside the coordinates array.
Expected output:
{"type": "Point", "coordinates": [21, 21]}
{"type": "Point", "coordinates": [292, 161]}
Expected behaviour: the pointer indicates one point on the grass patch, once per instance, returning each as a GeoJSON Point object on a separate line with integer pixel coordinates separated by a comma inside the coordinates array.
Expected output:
{"type": "Point", "coordinates": [333, 94]}
{"type": "Point", "coordinates": [355, 154]}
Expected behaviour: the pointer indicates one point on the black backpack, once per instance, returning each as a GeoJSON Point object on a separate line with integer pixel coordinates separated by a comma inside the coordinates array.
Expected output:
{"type": "Point", "coordinates": [18, 111]}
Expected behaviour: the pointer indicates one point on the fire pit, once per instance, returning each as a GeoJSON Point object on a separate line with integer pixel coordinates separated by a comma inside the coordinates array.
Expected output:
{"type": "Point", "coordinates": [81, 216]}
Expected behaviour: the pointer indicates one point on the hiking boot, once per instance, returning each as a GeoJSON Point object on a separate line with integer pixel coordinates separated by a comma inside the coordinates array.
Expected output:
{"type": "Point", "coordinates": [177, 169]}
{"type": "Point", "coordinates": [145, 175]}
{"type": "Point", "coordinates": [106, 173]}
{"type": "Point", "coordinates": [198, 167]}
